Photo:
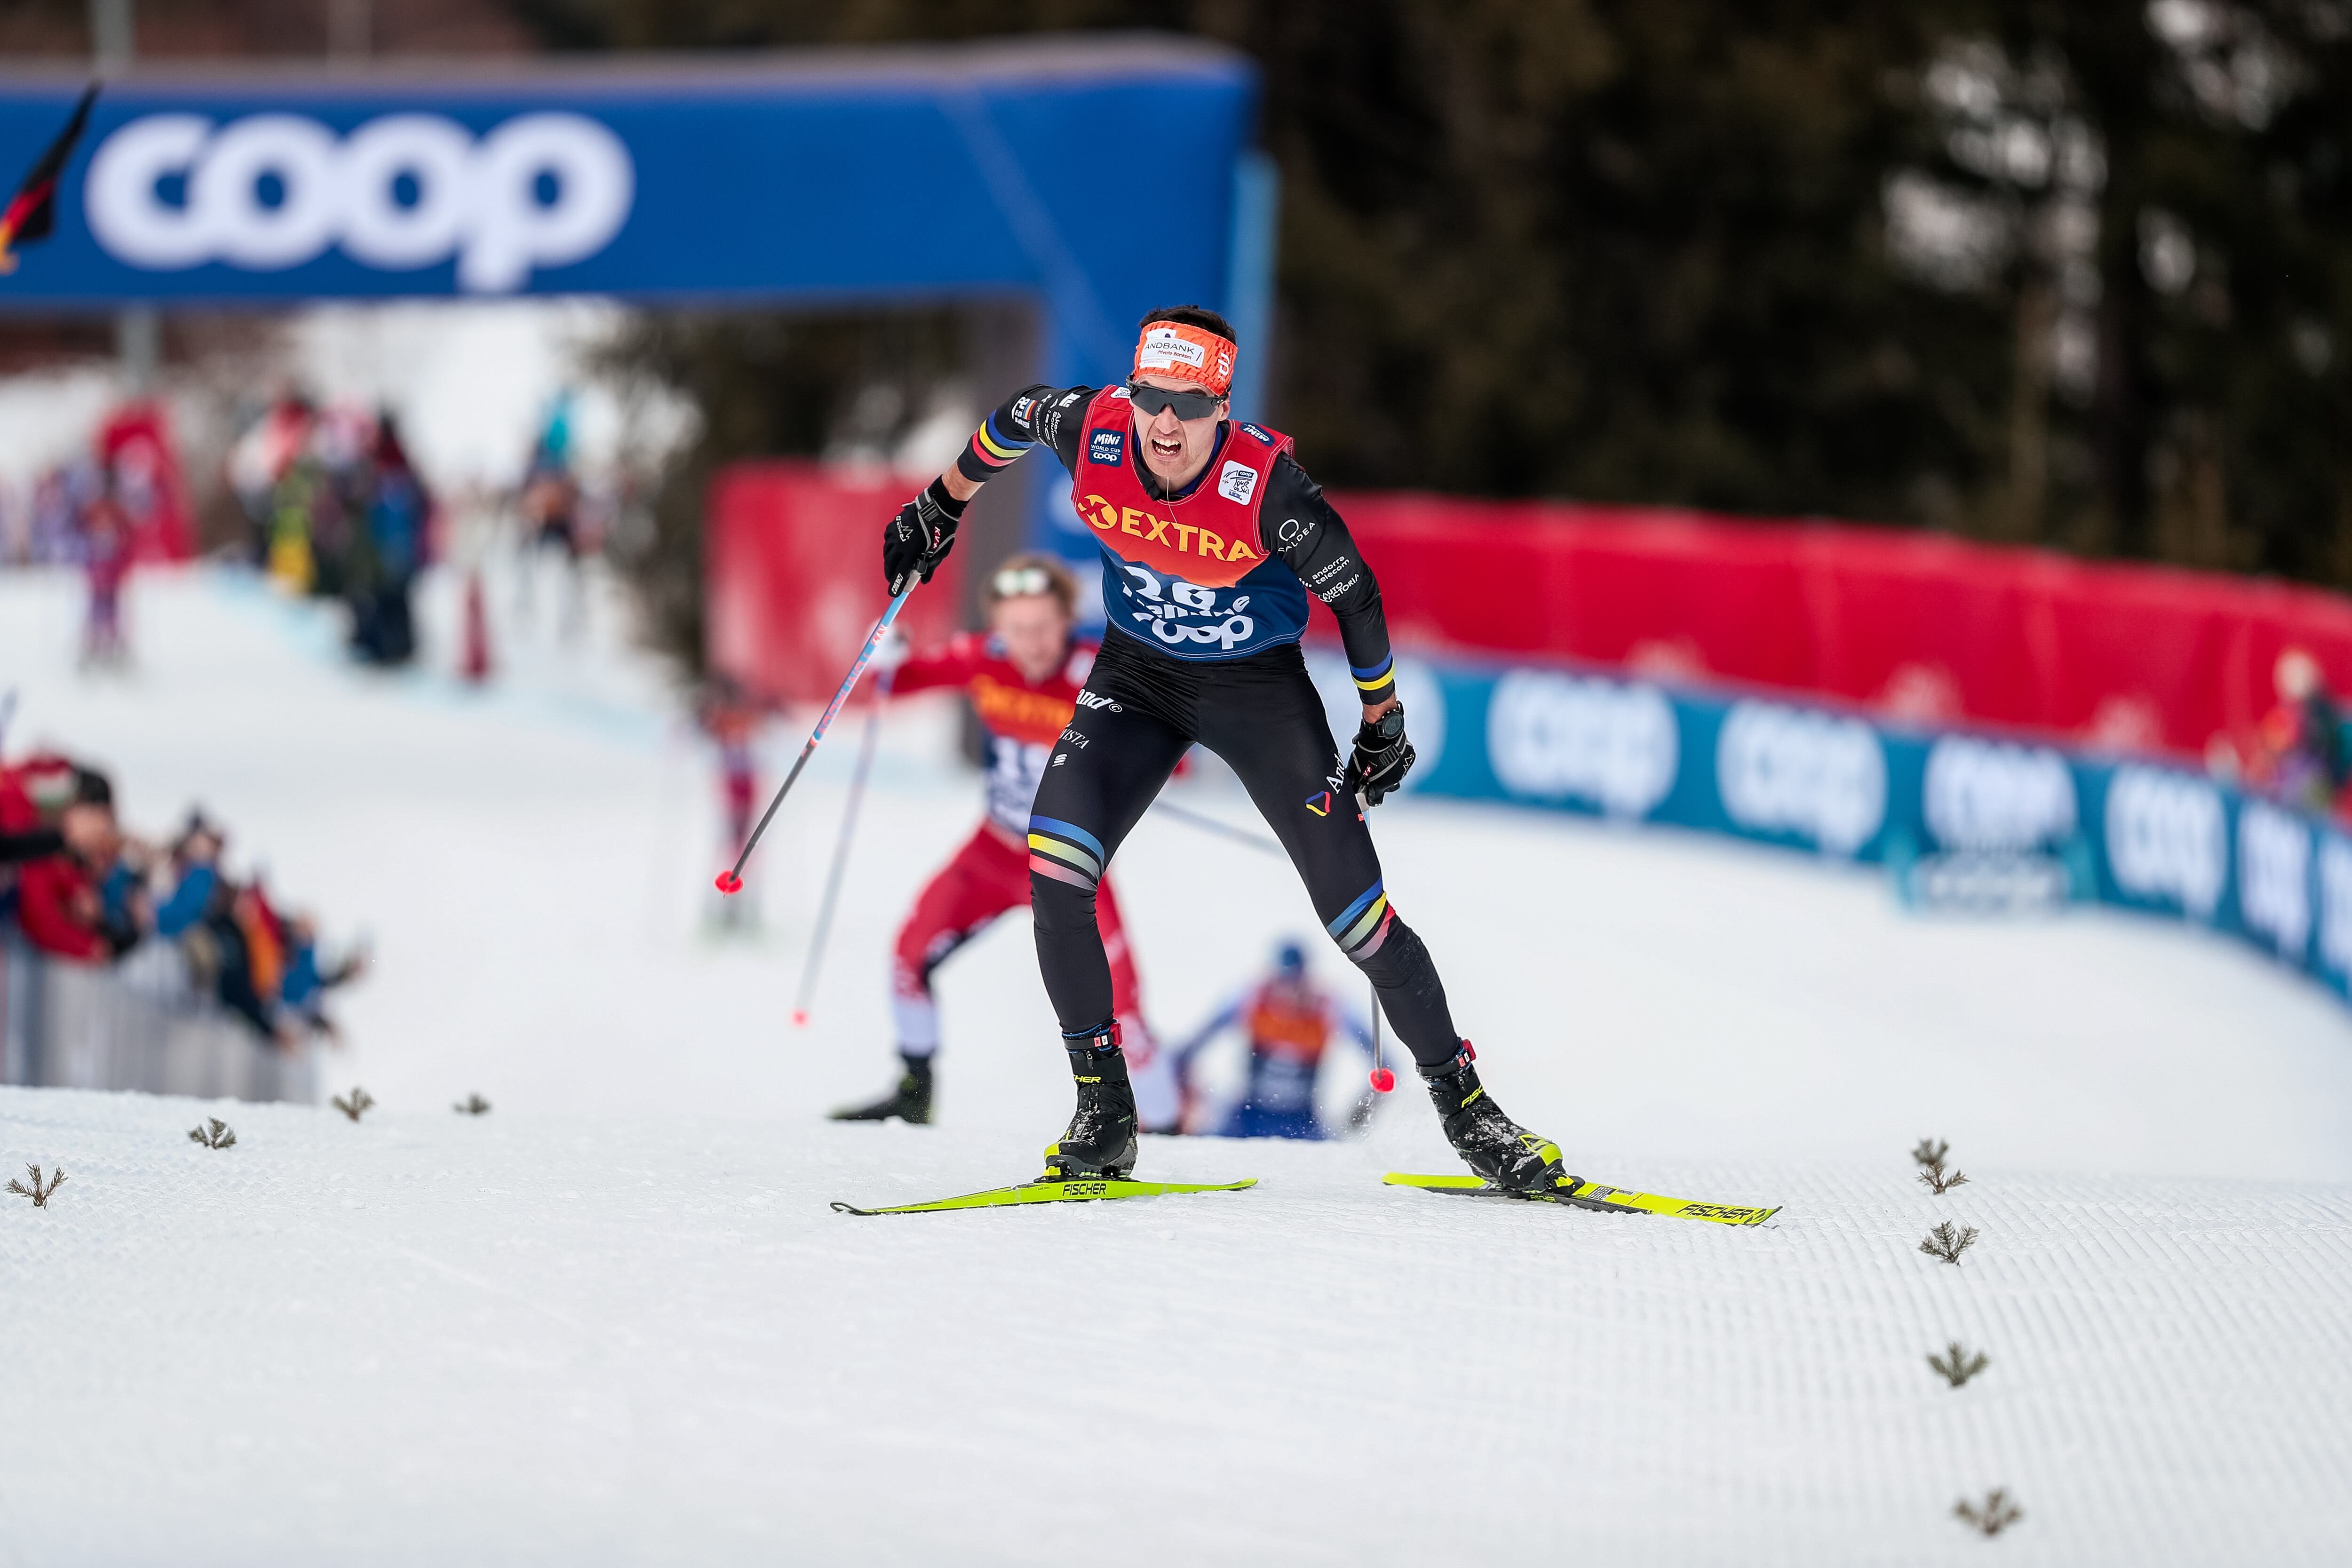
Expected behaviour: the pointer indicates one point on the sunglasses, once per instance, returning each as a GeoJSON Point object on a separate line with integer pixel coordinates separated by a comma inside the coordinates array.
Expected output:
{"type": "Point", "coordinates": [1020, 582]}
{"type": "Point", "coordinates": [1187, 404]}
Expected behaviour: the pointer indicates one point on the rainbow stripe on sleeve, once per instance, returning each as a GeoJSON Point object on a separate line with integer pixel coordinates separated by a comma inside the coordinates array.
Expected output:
{"type": "Point", "coordinates": [1374, 677]}
{"type": "Point", "coordinates": [993, 449]}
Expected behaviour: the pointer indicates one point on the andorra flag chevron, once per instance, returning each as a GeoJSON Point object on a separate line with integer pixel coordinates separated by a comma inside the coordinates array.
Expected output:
{"type": "Point", "coordinates": [32, 212]}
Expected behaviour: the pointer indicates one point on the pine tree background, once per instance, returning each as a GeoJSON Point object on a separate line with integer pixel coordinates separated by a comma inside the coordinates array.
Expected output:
{"type": "Point", "coordinates": [1642, 250]}
{"type": "Point", "coordinates": [2074, 274]}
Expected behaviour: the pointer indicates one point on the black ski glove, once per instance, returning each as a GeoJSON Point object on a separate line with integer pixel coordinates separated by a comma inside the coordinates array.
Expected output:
{"type": "Point", "coordinates": [919, 537]}
{"type": "Point", "coordinates": [1383, 756]}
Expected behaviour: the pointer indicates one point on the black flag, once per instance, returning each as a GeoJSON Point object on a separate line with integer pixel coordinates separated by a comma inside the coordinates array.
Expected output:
{"type": "Point", "coordinates": [32, 212]}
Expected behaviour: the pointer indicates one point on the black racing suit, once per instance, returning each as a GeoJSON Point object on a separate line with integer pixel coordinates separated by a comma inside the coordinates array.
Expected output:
{"type": "Point", "coordinates": [1258, 711]}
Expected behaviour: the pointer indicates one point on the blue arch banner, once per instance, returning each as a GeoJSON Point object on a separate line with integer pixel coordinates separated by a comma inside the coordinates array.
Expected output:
{"type": "Point", "coordinates": [1100, 177]}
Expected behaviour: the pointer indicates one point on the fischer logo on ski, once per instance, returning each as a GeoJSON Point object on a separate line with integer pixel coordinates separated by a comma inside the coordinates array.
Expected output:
{"type": "Point", "coordinates": [1576, 1193]}
{"type": "Point", "coordinates": [1045, 1190]}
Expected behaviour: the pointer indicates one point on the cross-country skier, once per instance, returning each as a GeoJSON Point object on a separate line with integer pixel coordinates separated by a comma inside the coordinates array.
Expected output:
{"type": "Point", "coordinates": [1024, 678]}
{"type": "Point", "coordinates": [1213, 538]}
{"type": "Point", "coordinates": [1288, 1020]}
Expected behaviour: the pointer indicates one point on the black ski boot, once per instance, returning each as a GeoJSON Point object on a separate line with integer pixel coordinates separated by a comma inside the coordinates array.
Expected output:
{"type": "Point", "coordinates": [1490, 1142]}
{"type": "Point", "coordinates": [910, 1102]}
{"type": "Point", "coordinates": [1100, 1139]}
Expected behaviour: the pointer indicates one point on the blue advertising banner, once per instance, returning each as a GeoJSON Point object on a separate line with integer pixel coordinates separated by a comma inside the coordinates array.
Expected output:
{"type": "Point", "coordinates": [2139, 834]}
{"type": "Point", "coordinates": [1100, 176]}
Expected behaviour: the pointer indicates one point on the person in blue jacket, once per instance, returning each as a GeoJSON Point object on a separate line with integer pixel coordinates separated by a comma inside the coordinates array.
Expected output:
{"type": "Point", "coordinates": [1288, 1021]}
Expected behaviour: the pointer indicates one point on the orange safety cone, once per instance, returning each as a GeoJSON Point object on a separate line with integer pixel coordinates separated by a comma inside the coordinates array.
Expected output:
{"type": "Point", "coordinates": [474, 659]}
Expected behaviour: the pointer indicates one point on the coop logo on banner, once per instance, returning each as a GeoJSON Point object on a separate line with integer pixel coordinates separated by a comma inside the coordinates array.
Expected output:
{"type": "Point", "coordinates": [2166, 839]}
{"type": "Point", "coordinates": [273, 190]}
{"type": "Point", "coordinates": [1550, 736]}
{"type": "Point", "coordinates": [1790, 770]}
{"type": "Point", "coordinates": [2274, 878]}
{"type": "Point", "coordinates": [1991, 795]}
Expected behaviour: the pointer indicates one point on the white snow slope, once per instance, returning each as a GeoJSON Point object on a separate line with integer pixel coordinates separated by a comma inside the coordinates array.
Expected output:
{"type": "Point", "coordinates": [615, 1321]}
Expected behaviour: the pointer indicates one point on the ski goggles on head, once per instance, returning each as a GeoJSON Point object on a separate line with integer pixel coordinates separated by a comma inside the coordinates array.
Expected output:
{"type": "Point", "coordinates": [1019, 583]}
{"type": "Point", "coordinates": [1188, 404]}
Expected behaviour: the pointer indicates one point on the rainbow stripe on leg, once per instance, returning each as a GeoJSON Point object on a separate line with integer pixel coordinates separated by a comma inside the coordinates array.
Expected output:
{"type": "Point", "coordinates": [1064, 852]}
{"type": "Point", "coordinates": [1363, 925]}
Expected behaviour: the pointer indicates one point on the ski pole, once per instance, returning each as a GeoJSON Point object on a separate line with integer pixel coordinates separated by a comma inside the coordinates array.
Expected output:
{"type": "Point", "coordinates": [841, 850]}
{"type": "Point", "coordinates": [730, 882]}
{"type": "Point", "coordinates": [1382, 1079]}
{"type": "Point", "coordinates": [1207, 824]}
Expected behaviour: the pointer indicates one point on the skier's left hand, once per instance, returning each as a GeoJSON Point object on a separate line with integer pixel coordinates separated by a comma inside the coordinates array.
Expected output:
{"type": "Point", "coordinates": [1382, 756]}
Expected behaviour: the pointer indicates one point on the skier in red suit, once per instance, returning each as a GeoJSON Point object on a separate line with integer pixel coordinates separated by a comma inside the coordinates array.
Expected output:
{"type": "Point", "coordinates": [1022, 675]}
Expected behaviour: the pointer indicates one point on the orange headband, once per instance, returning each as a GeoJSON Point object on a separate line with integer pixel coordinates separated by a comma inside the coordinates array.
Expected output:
{"type": "Point", "coordinates": [1186, 352]}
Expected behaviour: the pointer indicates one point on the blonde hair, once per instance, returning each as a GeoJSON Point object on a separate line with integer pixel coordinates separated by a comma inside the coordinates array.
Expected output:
{"type": "Point", "coordinates": [1059, 581]}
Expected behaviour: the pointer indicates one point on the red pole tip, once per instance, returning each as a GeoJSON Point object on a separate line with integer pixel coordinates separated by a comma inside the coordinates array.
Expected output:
{"type": "Point", "coordinates": [729, 883]}
{"type": "Point", "coordinates": [800, 1019]}
{"type": "Point", "coordinates": [1383, 1079]}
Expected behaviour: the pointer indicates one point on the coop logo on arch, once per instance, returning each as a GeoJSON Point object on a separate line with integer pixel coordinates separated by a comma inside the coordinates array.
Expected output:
{"type": "Point", "coordinates": [403, 191]}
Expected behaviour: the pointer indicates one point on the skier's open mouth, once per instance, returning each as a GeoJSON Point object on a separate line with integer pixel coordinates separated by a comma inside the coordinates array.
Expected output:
{"type": "Point", "coordinates": [1172, 449]}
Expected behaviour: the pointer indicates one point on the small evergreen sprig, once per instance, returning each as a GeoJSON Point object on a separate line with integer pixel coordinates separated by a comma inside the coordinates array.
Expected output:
{"type": "Point", "coordinates": [212, 1133]}
{"type": "Point", "coordinates": [1947, 1241]}
{"type": "Point", "coordinates": [1931, 1154]}
{"type": "Point", "coordinates": [1957, 1364]}
{"type": "Point", "coordinates": [472, 1105]}
{"type": "Point", "coordinates": [1991, 1516]}
{"type": "Point", "coordinates": [354, 1104]}
{"type": "Point", "coordinates": [42, 1189]}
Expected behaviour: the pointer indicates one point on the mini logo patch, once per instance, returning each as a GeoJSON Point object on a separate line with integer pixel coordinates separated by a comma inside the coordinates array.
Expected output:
{"type": "Point", "coordinates": [1238, 483]}
{"type": "Point", "coordinates": [1108, 446]}
{"type": "Point", "coordinates": [1257, 433]}
{"type": "Point", "coordinates": [1321, 805]}
{"type": "Point", "coordinates": [1021, 405]}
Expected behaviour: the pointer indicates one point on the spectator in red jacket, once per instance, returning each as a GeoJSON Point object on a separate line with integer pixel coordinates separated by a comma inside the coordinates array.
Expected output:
{"type": "Point", "coordinates": [59, 904]}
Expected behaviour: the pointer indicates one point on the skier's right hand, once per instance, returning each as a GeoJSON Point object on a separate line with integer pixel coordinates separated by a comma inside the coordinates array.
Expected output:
{"type": "Point", "coordinates": [917, 540]}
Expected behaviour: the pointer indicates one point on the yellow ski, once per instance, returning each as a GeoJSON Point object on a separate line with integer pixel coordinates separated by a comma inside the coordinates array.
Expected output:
{"type": "Point", "coordinates": [1053, 1191]}
{"type": "Point", "coordinates": [1587, 1194]}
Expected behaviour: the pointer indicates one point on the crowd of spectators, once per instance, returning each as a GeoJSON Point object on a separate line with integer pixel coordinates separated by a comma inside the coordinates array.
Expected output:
{"type": "Point", "coordinates": [77, 888]}
{"type": "Point", "coordinates": [332, 506]}
{"type": "Point", "coordinates": [338, 511]}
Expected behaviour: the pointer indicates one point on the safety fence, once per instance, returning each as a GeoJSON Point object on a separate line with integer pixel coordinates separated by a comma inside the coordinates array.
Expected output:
{"type": "Point", "coordinates": [1959, 817]}
{"type": "Point", "coordinates": [1910, 626]}
{"type": "Point", "coordinates": [1916, 628]}
{"type": "Point", "coordinates": [133, 1026]}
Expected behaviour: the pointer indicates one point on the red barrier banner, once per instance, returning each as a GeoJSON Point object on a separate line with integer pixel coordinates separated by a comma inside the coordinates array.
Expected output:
{"type": "Point", "coordinates": [1918, 626]}
{"type": "Point", "coordinates": [792, 576]}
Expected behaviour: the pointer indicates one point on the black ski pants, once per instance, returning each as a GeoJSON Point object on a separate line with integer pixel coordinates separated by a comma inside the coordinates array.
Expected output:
{"type": "Point", "coordinates": [1140, 710]}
